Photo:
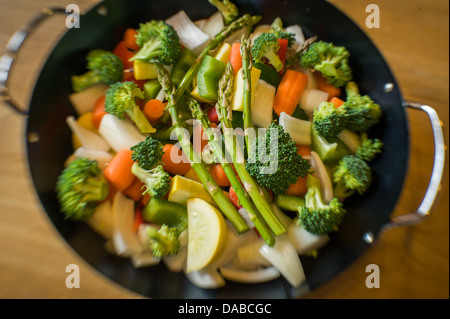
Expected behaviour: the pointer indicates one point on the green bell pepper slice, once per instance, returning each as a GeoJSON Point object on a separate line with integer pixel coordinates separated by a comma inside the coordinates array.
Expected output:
{"type": "Point", "coordinates": [208, 77]}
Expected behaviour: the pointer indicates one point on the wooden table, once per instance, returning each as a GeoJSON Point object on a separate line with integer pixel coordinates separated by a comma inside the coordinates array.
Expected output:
{"type": "Point", "coordinates": [413, 261]}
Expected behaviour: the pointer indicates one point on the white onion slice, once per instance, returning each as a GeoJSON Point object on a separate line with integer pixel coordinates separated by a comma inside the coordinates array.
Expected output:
{"type": "Point", "coordinates": [88, 139]}
{"type": "Point", "coordinates": [304, 241]}
{"type": "Point", "coordinates": [322, 174]}
{"type": "Point", "coordinates": [252, 276]}
{"type": "Point", "coordinates": [125, 240]}
{"type": "Point", "coordinates": [284, 257]}
{"type": "Point", "coordinates": [119, 133]}
{"type": "Point", "coordinates": [206, 278]}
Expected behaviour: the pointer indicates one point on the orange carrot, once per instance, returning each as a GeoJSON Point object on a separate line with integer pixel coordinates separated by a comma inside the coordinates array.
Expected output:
{"type": "Point", "coordinates": [138, 220]}
{"type": "Point", "coordinates": [154, 110]}
{"type": "Point", "coordinates": [323, 85]}
{"type": "Point", "coordinates": [129, 38]}
{"type": "Point", "coordinates": [172, 155]}
{"type": "Point", "coordinates": [304, 150]}
{"type": "Point", "coordinates": [337, 102]}
{"type": "Point", "coordinates": [99, 111]}
{"type": "Point", "coordinates": [134, 191]}
{"type": "Point", "coordinates": [290, 91]}
{"type": "Point", "coordinates": [235, 57]}
{"type": "Point", "coordinates": [299, 188]}
{"type": "Point", "coordinates": [124, 54]}
{"type": "Point", "coordinates": [118, 172]}
{"type": "Point", "coordinates": [219, 175]}
{"type": "Point", "coordinates": [234, 198]}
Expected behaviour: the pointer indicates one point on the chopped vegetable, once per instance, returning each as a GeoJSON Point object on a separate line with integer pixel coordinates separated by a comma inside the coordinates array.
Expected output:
{"type": "Point", "coordinates": [148, 153]}
{"type": "Point", "coordinates": [353, 173]}
{"type": "Point", "coordinates": [207, 234]}
{"type": "Point", "coordinates": [328, 120]}
{"type": "Point", "coordinates": [228, 9]}
{"type": "Point", "coordinates": [299, 130]}
{"type": "Point", "coordinates": [121, 99]}
{"type": "Point", "coordinates": [156, 180]}
{"type": "Point", "coordinates": [166, 212]}
{"type": "Point", "coordinates": [266, 46]}
{"type": "Point", "coordinates": [360, 112]}
{"type": "Point", "coordinates": [289, 92]}
{"type": "Point", "coordinates": [118, 172]}
{"type": "Point", "coordinates": [104, 67]}
{"type": "Point", "coordinates": [163, 241]}
{"type": "Point", "coordinates": [80, 188]}
{"type": "Point", "coordinates": [119, 133]}
{"type": "Point", "coordinates": [157, 40]}
{"type": "Point", "coordinates": [317, 216]}
{"type": "Point", "coordinates": [285, 165]}
{"type": "Point", "coordinates": [330, 60]}
{"type": "Point", "coordinates": [235, 57]}
{"type": "Point", "coordinates": [208, 77]}
{"type": "Point", "coordinates": [189, 34]}
{"type": "Point", "coordinates": [262, 109]}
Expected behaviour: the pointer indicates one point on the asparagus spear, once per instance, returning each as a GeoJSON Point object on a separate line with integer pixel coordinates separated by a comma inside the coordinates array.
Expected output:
{"type": "Point", "coordinates": [295, 58]}
{"type": "Point", "coordinates": [245, 20]}
{"type": "Point", "coordinates": [242, 194]}
{"type": "Point", "coordinates": [204, 175]}
{"type": "Point", "coordinates": [247, 68]}
{"type": "Point", "coordinates": [224, 110]}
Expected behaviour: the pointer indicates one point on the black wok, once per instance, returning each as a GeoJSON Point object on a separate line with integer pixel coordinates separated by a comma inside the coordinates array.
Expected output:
{"type": "Point", "coordinates": [103, 28]}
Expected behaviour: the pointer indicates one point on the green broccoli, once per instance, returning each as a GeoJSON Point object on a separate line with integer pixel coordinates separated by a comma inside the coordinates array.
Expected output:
{"type": "Point", "coordinates": [278, 30]}
{"type": "Point", "coordinates": [228, 9]}
{"type": "Point", "coordinates": [330, 60]}
{"type": "Point", "coordinates": [80, 187]}
{"type": "Point", "coordinates": [156, 180]}
{"type": "Point", "coordinates": [121, 99]}
{"type": "Point", "coordinates": [164, 241]}
{"type": "Point", "coordinates": [157, 40]}
{"type": "Point", "coordinates": [316, 216]}
{"type": "Point", "coordinates": [104, 67]}
{"type": "Point", "coordinates": [353, 173]}
{"type": "Point", "coordinates": [283, 167]}
{"type": "Point", "coordinates": [266, 46]}
{"type": "Point", "coordinates": [328, 120]}
{"type": "Point", "coordinates": [148, 153]}
{"type": "Point", "coordinates": [369, 148]}
{"type": "Point", "coordinates": [361, 112]}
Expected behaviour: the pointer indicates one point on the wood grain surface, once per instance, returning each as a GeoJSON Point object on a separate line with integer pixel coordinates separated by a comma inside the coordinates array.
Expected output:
{"type": "Point", "coordinates": [413, 261]}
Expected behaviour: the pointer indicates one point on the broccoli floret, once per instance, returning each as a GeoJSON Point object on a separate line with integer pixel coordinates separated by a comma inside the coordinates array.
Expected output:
{"type": "Point", "coordinates": [330, 60]}
{"type": "Point", "coordinates": [266, 46]}
{"type": "Point", "coordinates": [361, 112]}
{"type": "Point", "coordinates": [121, 99]}
{"type": "Point", "coordinates": [148, 153]}
{"type": "Point", "coordinates": [369, 148]}
{"type": "Point", "coordinates": [104, 67]}
{"type": "Point", "coordinates": [228, 9]}
{"type": "Point", "coordinates": [164, 241]}
{"type": "Point", "coordinates": [328, 120]}
{"type": "Point", "coordinates": [278, 30]}
{"type": "Point", "coordinates": [353, 173]}
{"type": "Point", "coordinates": [282, 156]}
{"type": "Point", "coordinates": [157, 40]}
{"type": "Point", "coordinates": [156, 180]}
{"type": "Point", "coordinates": [80, 187]}
{"type": "Point", "coordinates": [316, 216]}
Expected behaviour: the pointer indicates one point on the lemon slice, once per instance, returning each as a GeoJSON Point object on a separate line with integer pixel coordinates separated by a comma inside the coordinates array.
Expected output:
{"type": "Point", "coordinates": [207, 234]}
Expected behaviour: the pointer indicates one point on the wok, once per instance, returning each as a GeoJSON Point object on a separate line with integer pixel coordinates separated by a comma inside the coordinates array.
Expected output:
{"type": "Point", "coordinates": [103, 26]}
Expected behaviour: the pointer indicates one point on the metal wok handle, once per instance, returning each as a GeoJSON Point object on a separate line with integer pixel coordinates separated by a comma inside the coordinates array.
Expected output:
{"type": "Point", "coordinates": [436, 177]}
{"type": "Point", "coordinates": [12, 48]}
